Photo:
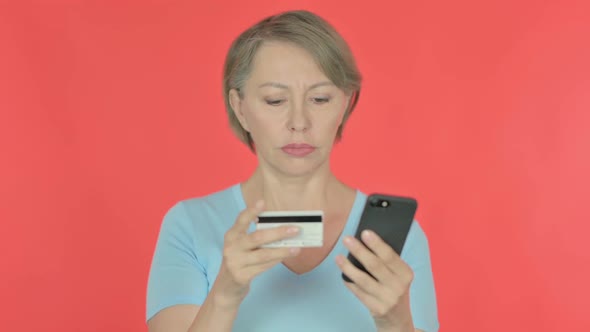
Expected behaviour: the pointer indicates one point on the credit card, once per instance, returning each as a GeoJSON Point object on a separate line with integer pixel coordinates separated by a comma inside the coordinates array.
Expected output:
{"type": "Point", "coordinates": [310, 223]}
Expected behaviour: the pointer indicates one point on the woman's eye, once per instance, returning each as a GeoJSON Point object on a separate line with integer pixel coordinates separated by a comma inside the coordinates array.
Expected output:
{"type": "Point", "coordinates": [274, 102]}
{"type": "Point", "coordinates": [321, 100]}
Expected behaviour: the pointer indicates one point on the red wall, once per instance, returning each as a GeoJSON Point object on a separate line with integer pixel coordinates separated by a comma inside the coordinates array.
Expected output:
{"type": "Point", "coordinates": [110, 112]}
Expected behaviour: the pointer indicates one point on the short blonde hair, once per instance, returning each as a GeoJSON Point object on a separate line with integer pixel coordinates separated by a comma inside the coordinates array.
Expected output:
{"type": "Point", "coordinates": [306, 30]}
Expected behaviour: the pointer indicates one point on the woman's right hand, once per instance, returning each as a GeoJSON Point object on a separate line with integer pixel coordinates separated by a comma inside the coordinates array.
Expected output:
{"type": "Point", "coordinates": [243, 259]}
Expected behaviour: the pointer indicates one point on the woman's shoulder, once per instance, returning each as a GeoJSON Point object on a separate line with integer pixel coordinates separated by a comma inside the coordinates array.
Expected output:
{"type": "Point", "coordinates": [219, 196]}
{"type": "Point", "coordinates": [223, 201]}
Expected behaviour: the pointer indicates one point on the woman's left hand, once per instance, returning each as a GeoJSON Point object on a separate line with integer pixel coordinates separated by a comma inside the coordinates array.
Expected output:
{"type": "Point", "coordinates": [387, 296]}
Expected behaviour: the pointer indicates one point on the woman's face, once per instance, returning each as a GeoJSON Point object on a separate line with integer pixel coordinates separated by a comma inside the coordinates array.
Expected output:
{"type": "Point", "coordinates": [291, 109]}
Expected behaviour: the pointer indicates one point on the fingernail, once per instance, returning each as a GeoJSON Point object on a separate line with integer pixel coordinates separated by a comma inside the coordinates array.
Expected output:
{"type": "Point", "coordinates": [348, 241]}
{"type": "Point", "coordinates": [294, 251]}
{"type": "Point", "coordinates": [367, 235]}
{"type": "Point", "coordinates": [293, 230]}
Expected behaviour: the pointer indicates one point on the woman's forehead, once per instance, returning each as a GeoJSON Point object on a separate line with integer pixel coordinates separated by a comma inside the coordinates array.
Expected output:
{"type": "Point", "coordinates": [282, 63]}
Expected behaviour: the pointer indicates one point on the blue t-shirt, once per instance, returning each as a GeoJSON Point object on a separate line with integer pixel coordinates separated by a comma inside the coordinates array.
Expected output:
{"type": "Point", "coordinates": [188, 256]}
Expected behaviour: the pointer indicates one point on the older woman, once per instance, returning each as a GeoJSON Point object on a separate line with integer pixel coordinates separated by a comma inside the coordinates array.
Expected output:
{"type": "Point", "coordinates": [290, 84]}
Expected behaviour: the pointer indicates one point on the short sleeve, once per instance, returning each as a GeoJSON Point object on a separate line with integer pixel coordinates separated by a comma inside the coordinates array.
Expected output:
{"type": "Point", "coordinates": [416, 254]}
{"type": "Point", "coordinates": [175, 276]}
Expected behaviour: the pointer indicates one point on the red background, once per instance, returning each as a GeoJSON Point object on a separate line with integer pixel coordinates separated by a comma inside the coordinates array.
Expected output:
{"type": "Point", "coordinates": [112, 111]}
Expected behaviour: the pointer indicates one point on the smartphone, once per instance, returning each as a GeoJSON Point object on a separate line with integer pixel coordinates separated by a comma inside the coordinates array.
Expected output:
{"type": "Point", "coordinates": [388, 216]}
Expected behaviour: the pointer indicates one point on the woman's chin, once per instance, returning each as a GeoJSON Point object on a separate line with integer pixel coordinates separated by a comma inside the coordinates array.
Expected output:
{"type": "Point", "coordinates": [299, 168]}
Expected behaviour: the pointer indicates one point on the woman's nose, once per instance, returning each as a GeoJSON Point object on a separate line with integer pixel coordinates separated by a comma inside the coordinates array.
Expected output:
{"type": "Point", "coordinates": [298, 118]}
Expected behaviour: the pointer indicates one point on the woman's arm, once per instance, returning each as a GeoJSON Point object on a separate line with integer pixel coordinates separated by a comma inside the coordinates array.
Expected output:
{"type": "Point", "coordinates": [216, 314]}
{"type": "Point", "coordinates": [211, 316]}
{"type": "Point", "coordinates": [177, 318]}
{"type": "Point", "coordinates": [243, 260]}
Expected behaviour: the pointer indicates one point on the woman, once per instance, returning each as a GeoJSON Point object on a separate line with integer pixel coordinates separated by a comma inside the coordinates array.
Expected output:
{"type": "Point", "coordinates": [290, 83]}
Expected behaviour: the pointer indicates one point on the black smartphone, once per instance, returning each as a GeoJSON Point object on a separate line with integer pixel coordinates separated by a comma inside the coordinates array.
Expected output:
{"type": "Point", "coordinates": [388, 216]}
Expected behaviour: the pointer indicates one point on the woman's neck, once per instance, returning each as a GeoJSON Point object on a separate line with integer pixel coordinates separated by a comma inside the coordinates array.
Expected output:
{"type": "Point", "coordinates": [312, 192]}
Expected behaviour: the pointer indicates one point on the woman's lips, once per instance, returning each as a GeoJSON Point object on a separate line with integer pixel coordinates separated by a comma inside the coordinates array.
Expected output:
{"type": "Point", "coordinates": [298, 149]}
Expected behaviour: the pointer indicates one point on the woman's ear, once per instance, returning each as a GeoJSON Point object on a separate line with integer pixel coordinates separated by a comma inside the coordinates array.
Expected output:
{"type": "Point", "coordinates": [235, 101]}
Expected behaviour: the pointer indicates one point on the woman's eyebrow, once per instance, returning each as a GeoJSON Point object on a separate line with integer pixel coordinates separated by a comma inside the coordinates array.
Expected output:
{"type": "Point", "coordinates": [286, 87]}
{"type": "Point", "coordinates": [317, 85]}
{"type": "Point", "coordinates": [274, 85]}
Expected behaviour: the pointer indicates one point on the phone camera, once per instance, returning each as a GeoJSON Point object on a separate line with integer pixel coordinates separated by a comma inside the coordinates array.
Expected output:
{"type": "Point", "coordinates": [379, 203]}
